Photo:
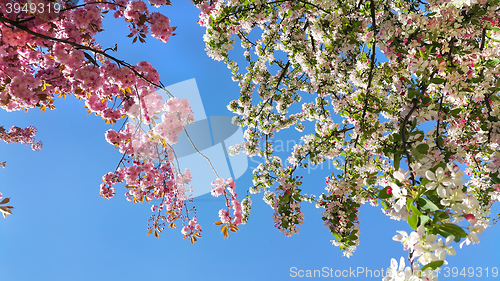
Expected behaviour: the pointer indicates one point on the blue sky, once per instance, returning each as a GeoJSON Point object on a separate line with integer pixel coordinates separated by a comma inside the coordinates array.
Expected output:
{"type": "Point", "coordinates": [62, 230]}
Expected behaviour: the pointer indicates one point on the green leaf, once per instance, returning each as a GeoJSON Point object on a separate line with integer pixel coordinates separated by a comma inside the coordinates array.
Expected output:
{"type": "Point", "coordinates": [397, 160]}
{"type": "Point", "coordinates": [414, 124]}
{"type": "Point", "coordinates": [456, 230]}
{"type": "Point", "coordinates": [427, 205]}
{"type": "Point", "coordinates": [409, 203]}
{"type": "Point", "coordinates": [447, 229]}
{"type": "Point", "coordinates": [423, 55]}
{"type": "Point", "coordinates": [432, 265]}
{"type": "Point", "coordinates": [382, 194]}
{"type": "Point", "coordinates": [440, 215]}
{"type": "Point", "coordinates": [494, 178]}
{"type": "Point", "coordinates": [438, 80]}
{"type": "Point", "coordinates": [426, 100]}
{"type": "Point", "coordinates": [417, 154]}
{"type": "Point", "coordinates": [424, 219]}
{"type": "Point", "coordinates": [493, 119]}
{"type": "Point", "coordinates": [455, 112]}
{"type": "Point", "coordinates": [493, 62]}
{"type": "Point", "coordinates": [412, 221]}
{"type": "Point", "coordinates": [412, 93]}
{"type": "Point", "coordinates": [440, 141]}
{"type": "Point", "coordinates": [423, 148]}
{"type": "Point", "coordinates": [285, 224]}
{"type": "Point", "coordinates": [415, 210]}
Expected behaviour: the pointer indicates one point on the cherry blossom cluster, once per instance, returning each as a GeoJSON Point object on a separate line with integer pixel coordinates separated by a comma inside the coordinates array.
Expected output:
{"type": "Point", "coordinates": [192, 227]}
{"type": "Point", "coordinates": [160, 27]}
{"type": "Point", "coordinates": [227, 189]}
{"type": "Point", "coordinates": [177, 114]}
{"type": "Point", "coordinates": [146, 181]}
{"type": "Point", "coordinates": [19, 135]}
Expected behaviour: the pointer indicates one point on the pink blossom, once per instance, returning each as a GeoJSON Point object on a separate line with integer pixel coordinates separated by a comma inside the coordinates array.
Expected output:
{"type": "Point", "coordinates": [107, 193]}
{"type": "Point", "coordinates": [470, 218]}
{"type": "Point", "coordinates": [224, 216]}
{"type": "Point", "coordinates": [160, 27]}
{"type": "Point", "coordinates": [170, 127]}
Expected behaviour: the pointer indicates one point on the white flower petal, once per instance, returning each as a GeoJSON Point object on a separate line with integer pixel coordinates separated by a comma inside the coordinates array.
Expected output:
{"type": "Point", "coordinates": [430, 176]}
{"type": "Point", "coordinates": [450, 251]}
{"type": "Point", "coordinates": [447, 182]}
{"type": "Point", "coordinates": [449, 239]}
{"type": "Point", "coordinates": [401, 264]}
{"type": "Point", "coordinates": [441, 191]}
{"type": "Point", "coordinates": [441, 254]}
{"type": "Point", "coordinates": [402, 232]}
{"type": "Point", "coordinates": [397, 237]}
{"type": "Point", "coordinates": [421, 230]}
{"type": "Point", "coordinates": [394, 264]}
{"type": "Point", "coordinates": [439, 173]}
{"type": "Point", "coordinates": [473, 237]}
{"type": "Point", "coordinates": [431, 186]}
{"type": "Point", "coordinates": [399, 175]}
{"type": "Point", "coordinates": [431, 238]}
{"type": "Point", "coordinates": [400, 204]}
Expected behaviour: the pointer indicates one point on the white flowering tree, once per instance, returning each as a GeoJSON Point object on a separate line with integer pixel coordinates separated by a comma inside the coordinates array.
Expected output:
{"type": "Point", "coordinates": [441, 72]}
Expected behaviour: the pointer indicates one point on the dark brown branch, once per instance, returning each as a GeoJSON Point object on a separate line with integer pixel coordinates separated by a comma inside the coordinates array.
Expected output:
{"type": "Point", "coordinates": [403, 138]}
{"type": "Point", "coordinates": [372, 66]}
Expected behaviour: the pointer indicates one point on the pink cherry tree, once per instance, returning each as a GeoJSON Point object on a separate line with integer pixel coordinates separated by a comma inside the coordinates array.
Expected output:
{"type": "Point", "coordinates": [48, 51]}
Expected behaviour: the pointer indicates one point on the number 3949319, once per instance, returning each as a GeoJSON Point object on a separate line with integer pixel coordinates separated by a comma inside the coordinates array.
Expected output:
{"type": "Point", "coordinates": [32, 8]}
{"type": "Point", "coordinates": [470, 272]}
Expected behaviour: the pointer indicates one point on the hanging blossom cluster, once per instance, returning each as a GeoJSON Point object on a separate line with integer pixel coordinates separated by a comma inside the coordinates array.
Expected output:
{"type": "Point", "coordinates": [341, 215]}
{"type": "Point", "coordinates": [229, 222]}
{"type": "Point", "coordinates": [285, 202]}
{"type": "Point", "coordinates": [52, 54]}
{"type": "Point", "coordinates": [370, 118]}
